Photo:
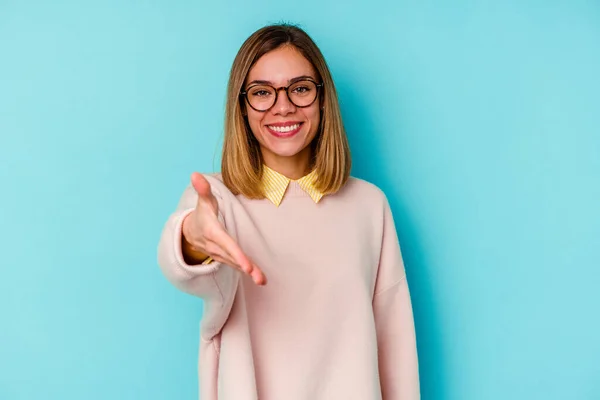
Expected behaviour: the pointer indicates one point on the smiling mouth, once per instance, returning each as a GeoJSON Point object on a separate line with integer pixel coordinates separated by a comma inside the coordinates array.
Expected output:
{"type": "Point", "coordinates": [284, 130]}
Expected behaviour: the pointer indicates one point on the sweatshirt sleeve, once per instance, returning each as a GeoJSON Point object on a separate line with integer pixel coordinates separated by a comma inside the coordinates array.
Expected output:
{"type": "Point", "coordinates": [396, 340]}
{"type": "Point", "coordinates": [214, 283]}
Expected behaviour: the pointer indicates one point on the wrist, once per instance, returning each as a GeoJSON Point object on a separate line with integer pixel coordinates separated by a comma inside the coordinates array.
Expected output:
{"type": "Point", "coordinates": [191, 254]}
{"type": "Point", "coordinates": [185, 229]}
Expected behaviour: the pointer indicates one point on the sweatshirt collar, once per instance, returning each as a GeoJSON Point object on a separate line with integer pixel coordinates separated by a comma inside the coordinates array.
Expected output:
{"type": "Point", "coordinates": [275, 184]}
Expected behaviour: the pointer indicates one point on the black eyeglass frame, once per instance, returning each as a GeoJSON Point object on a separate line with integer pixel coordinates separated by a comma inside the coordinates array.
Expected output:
{"type": "Point", "coordinates": [286, 88]}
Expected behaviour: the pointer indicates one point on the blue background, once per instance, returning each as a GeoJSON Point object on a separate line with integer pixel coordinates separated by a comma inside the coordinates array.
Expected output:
{"type": "Point", "coordinates": [479, 119]}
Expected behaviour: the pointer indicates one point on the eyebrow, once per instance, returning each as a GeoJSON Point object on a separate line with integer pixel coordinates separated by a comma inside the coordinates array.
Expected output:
{"type": "Point", "coordinates": [290, 81]}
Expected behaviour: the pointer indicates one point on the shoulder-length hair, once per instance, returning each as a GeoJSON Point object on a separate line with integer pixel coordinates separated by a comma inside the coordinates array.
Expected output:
{"type": "Point", "coordinates": [242, 162]}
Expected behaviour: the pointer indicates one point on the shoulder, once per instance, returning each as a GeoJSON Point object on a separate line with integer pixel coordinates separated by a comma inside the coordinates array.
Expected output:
{"type": "Point", "coordinates": [214, 175]}
{"type": "Point", "coordinates": [363, 197]}
{"type": "Point", "coordinates": [357, 189]}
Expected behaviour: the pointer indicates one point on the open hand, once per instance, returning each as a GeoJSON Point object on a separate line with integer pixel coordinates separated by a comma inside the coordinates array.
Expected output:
{"type": "Point", "coordinates": [205, 234]}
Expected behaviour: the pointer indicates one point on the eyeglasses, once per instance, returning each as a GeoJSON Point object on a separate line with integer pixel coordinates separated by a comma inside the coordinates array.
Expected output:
{"type": "Point", "coordinates": [262, 97]}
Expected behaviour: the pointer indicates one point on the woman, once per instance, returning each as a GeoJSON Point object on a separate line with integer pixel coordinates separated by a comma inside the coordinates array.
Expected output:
{"type": "Point", "coordinates": [335, 319]}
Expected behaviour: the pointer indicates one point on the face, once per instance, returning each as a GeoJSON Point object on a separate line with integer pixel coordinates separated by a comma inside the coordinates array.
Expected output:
{"type": "Point", "coordinates": [285, 131]}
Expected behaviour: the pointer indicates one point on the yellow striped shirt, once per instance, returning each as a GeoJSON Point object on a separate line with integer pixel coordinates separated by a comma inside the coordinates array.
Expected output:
{"type": "Point", "coordinates": [275, 184]}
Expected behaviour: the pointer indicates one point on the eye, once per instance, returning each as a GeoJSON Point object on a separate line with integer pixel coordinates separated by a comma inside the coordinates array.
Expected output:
{"type": "Point", "coordinates": [302, 89]}
{"type": "Point", "coordinates": [261, 92]}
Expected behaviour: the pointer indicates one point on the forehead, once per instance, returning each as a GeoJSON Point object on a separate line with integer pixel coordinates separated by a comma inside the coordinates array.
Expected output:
{"type": "Point", "coordinates": [280, 65]}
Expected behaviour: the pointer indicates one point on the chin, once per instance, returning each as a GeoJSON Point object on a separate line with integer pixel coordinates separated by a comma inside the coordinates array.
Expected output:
{"type": "Point", "coordinates": [285, 151]}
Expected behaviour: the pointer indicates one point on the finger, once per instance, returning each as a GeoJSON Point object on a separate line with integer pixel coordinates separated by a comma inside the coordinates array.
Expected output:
{"type": "Point", "coordinates": [218, 254]}
{"type": "Point", "coordinates": [226, 242]}
{"type": "Point", "coordinates": [225, 260]}
{"type": "Point", "coordinates": [258, 276]}
{"type": "Point", "coordinates": [216, 250]}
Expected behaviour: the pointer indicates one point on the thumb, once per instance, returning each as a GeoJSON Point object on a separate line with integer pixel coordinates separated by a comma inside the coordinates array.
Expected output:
{"type": "Point", "coordinates": [202, 187]}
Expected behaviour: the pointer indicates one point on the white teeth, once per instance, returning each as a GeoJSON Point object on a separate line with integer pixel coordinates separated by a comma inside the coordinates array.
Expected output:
{"type": "Point", "coordinates": [284, 128]}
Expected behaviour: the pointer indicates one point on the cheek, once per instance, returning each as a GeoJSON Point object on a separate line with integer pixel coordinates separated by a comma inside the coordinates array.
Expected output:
{"type": "Point", "coordinates": [314, 116]}
{"type": "Point", "coordinates": [255, 121]}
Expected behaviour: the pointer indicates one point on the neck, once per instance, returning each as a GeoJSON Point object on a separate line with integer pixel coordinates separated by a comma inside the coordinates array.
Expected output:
{"type": "Point", "coordinates": [294, 167]}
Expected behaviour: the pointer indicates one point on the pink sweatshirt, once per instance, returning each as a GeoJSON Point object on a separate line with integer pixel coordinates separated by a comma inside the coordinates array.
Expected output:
{"type": "Point", "coordinates": [334, 321]}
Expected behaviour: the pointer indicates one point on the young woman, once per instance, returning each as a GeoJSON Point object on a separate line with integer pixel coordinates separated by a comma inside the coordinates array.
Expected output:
{"type": "Point", "coordinates": [335, 319]}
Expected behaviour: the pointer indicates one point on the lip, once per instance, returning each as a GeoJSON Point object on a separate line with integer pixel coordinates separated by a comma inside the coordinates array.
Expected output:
{"type": "Point", "coordinates": [283, 124]}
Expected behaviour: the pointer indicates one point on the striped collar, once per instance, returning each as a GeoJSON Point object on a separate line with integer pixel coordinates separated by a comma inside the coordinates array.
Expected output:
{"type": "Point", "coordinates": [275, 184]}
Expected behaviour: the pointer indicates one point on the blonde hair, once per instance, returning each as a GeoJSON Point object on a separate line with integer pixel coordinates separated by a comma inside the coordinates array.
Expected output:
{"type": "Point", "coordinates": [242, 163]}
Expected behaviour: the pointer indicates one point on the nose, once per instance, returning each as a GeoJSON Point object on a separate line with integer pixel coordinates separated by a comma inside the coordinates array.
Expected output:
{"type": "Point", "coordinates": [283, 105]}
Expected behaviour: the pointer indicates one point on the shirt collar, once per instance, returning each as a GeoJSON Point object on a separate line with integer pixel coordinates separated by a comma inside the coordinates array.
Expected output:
{"type": "Point", "coordinates": [275, 184]}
